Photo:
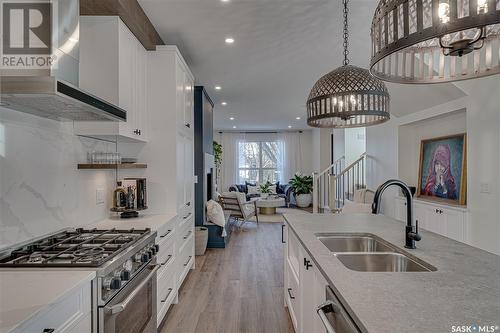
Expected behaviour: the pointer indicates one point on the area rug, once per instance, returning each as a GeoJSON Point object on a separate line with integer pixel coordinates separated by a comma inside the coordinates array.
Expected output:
{"type": "Point", "coordinates": [278, 217]}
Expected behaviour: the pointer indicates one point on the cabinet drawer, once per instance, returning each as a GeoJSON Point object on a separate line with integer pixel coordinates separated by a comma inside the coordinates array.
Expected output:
{"type": "Point", "coordinates": [292, 294]}
{"type": "Point", "coordinates": [186, 258]}
{"type": "Point", "coordinates": [184, 235]}
{"type": "Point", "coordinates": [187, 217]}
{"type": "Point", "coordinates": [167, 291]}
{"type": "Point", "coordinates": [166, 231]}
{"type": "Point", "coordinates": [166, 256]}
{"type": "Point", "coordinates": [63, 316]}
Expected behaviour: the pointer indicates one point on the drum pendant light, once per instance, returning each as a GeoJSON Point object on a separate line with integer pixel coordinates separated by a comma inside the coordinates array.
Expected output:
{"type": "Point", "coordinates": [348, 96]}
{"type": "Point", "coordinates": [434, 41]}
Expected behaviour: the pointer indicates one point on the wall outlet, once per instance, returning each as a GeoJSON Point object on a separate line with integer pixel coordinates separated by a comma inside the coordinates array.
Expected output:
{"type": "Point", "coordinates": [485, 188]}
{"type": "Point", "coordinates": [196, 179]}
{"type": "Point", "coordinates": [99, 196]}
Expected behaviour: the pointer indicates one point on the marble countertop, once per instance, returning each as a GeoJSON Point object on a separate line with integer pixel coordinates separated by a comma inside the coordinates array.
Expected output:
{"type": "Point", "coordinates": [465, 289]}
{"type": "Point", "coordinates": [153, 221]}
{"type": "Point", "coordinates": [40, 288]}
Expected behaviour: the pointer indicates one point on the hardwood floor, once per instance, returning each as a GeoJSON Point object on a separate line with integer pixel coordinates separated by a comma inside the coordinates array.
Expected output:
{"type": "Point", "coordinates": [237, 289]}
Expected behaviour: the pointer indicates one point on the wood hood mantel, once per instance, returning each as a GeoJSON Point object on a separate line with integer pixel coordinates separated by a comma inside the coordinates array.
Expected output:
{"type": "Point", "coordinates": [131, 13]}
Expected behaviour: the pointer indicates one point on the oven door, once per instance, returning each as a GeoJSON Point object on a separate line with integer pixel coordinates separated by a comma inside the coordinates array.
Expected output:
{"type": "Point", "coordinates": [133, 309]}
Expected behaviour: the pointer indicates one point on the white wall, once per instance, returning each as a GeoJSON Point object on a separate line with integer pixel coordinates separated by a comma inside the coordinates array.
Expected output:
{"type": "Point", "coordinates": [355, 144]}
{"type": "Point", "coordinates": [41, 190]}
{"type": "Point", "coordinates": [338, 143]}
{"type": "Point", "coordinates": [483, 168]}
{"type": "Point", "coordinates": [410, 136]}
{"type": "Point", "coordinates": [382, 160]}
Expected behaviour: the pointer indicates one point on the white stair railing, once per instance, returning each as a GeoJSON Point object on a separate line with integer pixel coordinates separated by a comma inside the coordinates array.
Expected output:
{"type": "Point", "coordinates": [321, 184]}
{"type": "Point", "coordinates": [334, 185]}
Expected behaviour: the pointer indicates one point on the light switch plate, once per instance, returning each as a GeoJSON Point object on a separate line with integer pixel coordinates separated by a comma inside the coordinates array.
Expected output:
{"type": "Point", "coordinates": [485, 188]}
{"type": "Point", "coordinates": [99, 196]}
{"type": "Point", "coordinates": [196, 179]}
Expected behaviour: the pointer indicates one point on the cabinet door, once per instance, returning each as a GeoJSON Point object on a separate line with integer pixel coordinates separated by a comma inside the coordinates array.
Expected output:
{"type": "Point", "coordinates": [127, 74]}
{"type": "Point", "coordinates": [188, 170]}
{"type": "Point", "coordinates": [141, 109]}
{"type": "Point", "coordinates": [455, 224]}
{"type": "Point", "coordinates": [180, 78]}
{"type": "Point", "coordinates": [312, 294]}
{"type": "Point", "coordinates": [188, 103]}
{"type": "Point", "coordinates": [180, 174]}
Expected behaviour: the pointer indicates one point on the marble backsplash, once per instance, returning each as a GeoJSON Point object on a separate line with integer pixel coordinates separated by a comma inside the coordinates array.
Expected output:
{"type": "Point", "coordinates": [41, 190]}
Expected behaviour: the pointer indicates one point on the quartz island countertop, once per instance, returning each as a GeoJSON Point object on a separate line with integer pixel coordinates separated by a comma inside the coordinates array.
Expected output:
{"type": "Point", "coordinates": [465, 289]}
{"type": "Point", "coordinates": [152, 221]}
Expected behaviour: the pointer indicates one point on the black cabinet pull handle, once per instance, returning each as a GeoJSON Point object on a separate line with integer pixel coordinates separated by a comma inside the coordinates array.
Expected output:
{"type": "Point", "coordinates": [307, 264]}
{"type": "Point", "coordinates": [283, 233]}
{"type": "Point", "coordinates": [166, 261]}
{"type": "Point", "coordinates": [166, 297]}
{"type": "Point", "coordinates": [187, 235]}
{"type": "Point", "coordinates": [166, 234]}
{"type": "Point", "coordinates": [189, 259]}
{"type": "Point", "coordinates": [290, 293]}
{"type": "Point", "coordinates": [188, 125]}
{"type": "Point", "coordinates": [48, 330]}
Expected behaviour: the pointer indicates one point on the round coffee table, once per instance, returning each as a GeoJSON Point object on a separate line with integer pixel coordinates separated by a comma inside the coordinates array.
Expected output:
{"type": "Point", "coordinates": [268, 206]}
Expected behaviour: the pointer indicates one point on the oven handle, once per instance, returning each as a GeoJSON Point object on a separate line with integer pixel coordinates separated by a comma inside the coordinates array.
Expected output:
{"type": "Point", "coordinates": [322, 310]}
{"type": "Point", "coordinates": [117, 308]}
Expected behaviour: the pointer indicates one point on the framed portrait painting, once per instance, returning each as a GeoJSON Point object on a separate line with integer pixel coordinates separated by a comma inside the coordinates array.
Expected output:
{"type": "Point", "coordinates": [442, 172]}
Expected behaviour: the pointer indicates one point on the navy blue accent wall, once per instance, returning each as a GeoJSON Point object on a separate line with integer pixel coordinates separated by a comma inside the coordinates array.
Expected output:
{"type": "Point", "coordinates": [203, 143]}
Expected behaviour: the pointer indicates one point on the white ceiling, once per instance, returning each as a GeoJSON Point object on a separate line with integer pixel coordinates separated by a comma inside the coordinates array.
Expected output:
{"type": "Point", "coordinates": [282, 47]}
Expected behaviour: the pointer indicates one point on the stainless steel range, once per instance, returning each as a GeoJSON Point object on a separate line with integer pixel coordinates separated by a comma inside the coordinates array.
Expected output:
{"type": "Point", "coordinates": [124, 292]}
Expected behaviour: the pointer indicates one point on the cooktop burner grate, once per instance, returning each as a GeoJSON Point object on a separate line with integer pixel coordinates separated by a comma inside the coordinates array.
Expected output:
{"type": "Point", "coordinates": [80, 247]}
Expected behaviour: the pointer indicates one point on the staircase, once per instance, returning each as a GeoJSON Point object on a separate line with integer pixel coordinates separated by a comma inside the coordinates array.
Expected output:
{"type": "Point", "coordinates": [335, 184]}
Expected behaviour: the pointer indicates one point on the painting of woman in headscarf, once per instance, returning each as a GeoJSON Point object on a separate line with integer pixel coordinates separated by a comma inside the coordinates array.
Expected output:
{"type": "Point", "coordinates": [442, 169]}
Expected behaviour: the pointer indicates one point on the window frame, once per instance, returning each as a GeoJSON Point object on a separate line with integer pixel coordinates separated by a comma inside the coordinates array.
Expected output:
{"type": "Point", "coordinates": [260, 170]}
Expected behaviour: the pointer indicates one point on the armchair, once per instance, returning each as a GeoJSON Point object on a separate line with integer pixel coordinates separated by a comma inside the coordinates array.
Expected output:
{"type": "Point", "coordinates": [239, 208]}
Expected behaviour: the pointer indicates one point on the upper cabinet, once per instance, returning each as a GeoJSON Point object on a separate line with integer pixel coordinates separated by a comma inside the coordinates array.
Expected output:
{"type": "Point", "coordinates": [113, 66]}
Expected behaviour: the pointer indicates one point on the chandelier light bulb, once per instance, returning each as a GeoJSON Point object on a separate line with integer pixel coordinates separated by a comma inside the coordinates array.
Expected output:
{"type": "Point", "coordinates": [444, 12]}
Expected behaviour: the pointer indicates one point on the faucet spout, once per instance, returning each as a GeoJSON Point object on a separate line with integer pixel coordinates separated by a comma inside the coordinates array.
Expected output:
{"type": "Point", "coordinates": [411, 235]}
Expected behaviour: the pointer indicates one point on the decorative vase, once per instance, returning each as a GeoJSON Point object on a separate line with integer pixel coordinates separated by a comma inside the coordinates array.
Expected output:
{"type": "Point", "coordinates": [303, 200]}
{"type": "Point", "coordinates": [264, 195]}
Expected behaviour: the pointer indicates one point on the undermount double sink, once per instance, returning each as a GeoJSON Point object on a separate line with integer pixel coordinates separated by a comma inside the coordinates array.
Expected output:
{"type": "Point", "coordinates": [369, 253]}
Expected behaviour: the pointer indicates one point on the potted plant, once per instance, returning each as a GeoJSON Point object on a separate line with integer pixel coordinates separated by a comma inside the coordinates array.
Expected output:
{"type": "Point", "coordinates": [302, 187]}
{"type": "Point", "coordinates": [265, 189]}
{"type": "Point", "coordinates": [217, 154]}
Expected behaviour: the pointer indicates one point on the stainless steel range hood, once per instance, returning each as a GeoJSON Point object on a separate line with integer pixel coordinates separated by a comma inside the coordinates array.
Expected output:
{"type": "Point", "coordinates": [53, 93]}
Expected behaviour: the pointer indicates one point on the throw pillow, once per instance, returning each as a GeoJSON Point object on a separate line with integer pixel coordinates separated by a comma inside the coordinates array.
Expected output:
{"type": "Point", "coordinates": [253, 189]}
{"type": "Point", "coordinates": [215, 213]}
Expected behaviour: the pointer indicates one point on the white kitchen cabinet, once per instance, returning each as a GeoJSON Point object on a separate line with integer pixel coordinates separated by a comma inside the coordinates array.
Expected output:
{"type": "Point", "coordinates": [304, 285]}
{"type": "Point", "coordinates": [446, 220]}
{"type": "Point", "coordinates": [171, 147]}
{"type": "Point", "coordinates": [113, 66]}
{"type": "Point", "coordinates": [71, 314]}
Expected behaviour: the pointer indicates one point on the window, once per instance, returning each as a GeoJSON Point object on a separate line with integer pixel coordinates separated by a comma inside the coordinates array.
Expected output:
{"type": "Point", "coordinates": [259, 161]}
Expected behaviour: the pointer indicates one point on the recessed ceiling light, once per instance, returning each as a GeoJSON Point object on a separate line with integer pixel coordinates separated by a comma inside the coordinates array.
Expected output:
{"type": "Point", "coordinates": [298, 118]}
{"type": "Point", "coordinates": [229, 40]}
{"type": "Point", "coordinates": [289, 126]}
{"type": "Point", "coordinates": [218, 87]}
{"type": "Point", "coordinates": [234, 126]}
{"type": "Point", "coordinates": [224, 103]}
{"type": "Point", "coordinates": [224, 0]}
{"type": "Point", "coordinates": [231, 118]}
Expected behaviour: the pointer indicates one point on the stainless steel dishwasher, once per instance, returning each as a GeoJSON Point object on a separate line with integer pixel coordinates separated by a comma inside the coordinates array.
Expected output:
{"type": "Point", "coordinates": [334, 316]}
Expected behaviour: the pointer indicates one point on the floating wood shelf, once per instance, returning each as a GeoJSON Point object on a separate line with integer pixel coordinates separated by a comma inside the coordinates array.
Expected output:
{"type": "Point", "coordinates": [112, 166]}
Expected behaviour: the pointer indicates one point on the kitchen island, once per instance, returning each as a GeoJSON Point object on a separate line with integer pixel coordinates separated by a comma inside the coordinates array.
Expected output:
{"type": "Point", "coordinates": [463, 290]}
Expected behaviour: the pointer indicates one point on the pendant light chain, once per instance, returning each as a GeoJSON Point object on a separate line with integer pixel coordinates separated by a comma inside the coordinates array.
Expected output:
{"type": "Point", "coordinates": [346, 33]}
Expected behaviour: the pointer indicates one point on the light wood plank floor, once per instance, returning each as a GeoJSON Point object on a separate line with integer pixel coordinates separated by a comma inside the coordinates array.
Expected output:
{"type": "Point", "coordinates": [237, 289]}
